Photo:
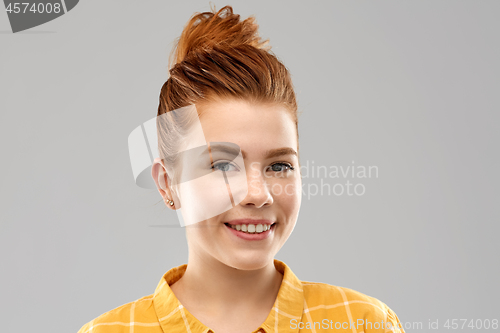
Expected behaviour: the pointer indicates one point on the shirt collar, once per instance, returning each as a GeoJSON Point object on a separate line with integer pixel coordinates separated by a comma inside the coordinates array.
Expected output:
{"type": "Point", "coordinates": [173, 316]}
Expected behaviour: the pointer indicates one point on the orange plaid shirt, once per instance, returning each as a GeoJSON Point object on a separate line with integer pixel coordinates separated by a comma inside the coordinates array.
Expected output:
{"type": "Point", "coordinates": [300, 307]}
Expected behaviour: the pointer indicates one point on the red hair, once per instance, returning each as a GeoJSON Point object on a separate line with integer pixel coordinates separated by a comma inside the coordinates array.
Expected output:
{"type": "Point", "coordinates": [218, 55]}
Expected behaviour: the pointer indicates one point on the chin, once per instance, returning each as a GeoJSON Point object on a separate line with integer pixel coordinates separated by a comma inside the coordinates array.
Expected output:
{"type": "Point", "coordinates": [248, 261]}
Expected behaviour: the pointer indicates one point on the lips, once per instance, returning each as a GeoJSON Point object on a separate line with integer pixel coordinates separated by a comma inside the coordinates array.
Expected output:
{"type": "Point", "coordinates": [251, 229]}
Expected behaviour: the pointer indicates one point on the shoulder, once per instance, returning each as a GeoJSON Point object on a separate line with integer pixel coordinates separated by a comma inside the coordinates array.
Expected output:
{"type": "Point", "coordinates": [334, 300]}
{"type": "Point", "coordinates": [316, 291]}
{"type": "Point", "coordinates": [118, 319]}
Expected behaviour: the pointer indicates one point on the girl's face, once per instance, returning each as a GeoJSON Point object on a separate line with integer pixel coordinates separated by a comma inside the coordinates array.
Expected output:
{"type": "Point", "coordinates": [267, 138]}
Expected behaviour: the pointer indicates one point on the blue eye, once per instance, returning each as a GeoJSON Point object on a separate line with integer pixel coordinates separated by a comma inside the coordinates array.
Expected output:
{"type": "Point", "coordinates": [225, 166]}
{"type": "Point", "coordinates": [280, 166]}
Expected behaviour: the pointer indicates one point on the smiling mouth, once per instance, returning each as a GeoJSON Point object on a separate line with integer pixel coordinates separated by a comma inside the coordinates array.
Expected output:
{"type": "Point", "coordinates": [251, 228]}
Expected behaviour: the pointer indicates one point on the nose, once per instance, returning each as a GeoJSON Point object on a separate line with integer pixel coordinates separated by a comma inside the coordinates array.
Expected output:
{"type": "Point", "coordinates": [258, 189]}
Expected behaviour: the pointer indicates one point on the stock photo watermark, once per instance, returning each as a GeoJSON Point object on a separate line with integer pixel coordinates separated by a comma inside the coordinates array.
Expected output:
{"type": "Point", "coordinates": [431, 324]}
{"type": "Point", "coordinates": [336, 180]}
{"type": "Point", "coordinates": [319, 180]}
{"type": "Point", "coordinates": [24, 15]}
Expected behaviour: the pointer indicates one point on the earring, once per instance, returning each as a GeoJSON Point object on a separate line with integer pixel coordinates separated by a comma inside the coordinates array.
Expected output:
{"type": "Point", "coordinates": [170, 202]}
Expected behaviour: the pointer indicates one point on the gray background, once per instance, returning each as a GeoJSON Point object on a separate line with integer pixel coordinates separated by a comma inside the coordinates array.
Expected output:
{"type": "Point", "coordinates": [411, 87]}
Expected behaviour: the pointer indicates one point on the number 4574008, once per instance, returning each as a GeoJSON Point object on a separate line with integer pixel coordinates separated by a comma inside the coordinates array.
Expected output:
{"type": "Point", "coordinates": [23, 7]}
{"type": "Point", "coordinates": [471, 323]}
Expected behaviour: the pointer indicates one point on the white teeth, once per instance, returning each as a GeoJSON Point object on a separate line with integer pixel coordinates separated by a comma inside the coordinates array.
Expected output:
{"type": "Point", "coordinates": [251, 228]}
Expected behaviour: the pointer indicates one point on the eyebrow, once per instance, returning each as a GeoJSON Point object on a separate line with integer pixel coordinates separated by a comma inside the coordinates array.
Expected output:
{"type": "Point", "coordinates": [278, 152]}
{"type": "Point", "coordinates": [271, 153]}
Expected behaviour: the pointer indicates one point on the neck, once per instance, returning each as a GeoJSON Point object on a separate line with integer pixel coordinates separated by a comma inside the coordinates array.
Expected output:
{"type": "Point", "coordinates": [225, 288]}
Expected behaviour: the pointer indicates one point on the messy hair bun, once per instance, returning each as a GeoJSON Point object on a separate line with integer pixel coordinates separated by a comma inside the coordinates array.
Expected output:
{"type": "Point", "coordinates": [224, 28]}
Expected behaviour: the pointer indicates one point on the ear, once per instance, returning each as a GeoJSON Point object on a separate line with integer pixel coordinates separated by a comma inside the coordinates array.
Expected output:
{"type": "Point", "coordinates": [160, 176]}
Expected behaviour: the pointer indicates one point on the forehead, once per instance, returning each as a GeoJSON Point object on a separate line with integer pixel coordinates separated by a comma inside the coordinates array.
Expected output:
{"type": "Point", "coordinates": [252, 126]}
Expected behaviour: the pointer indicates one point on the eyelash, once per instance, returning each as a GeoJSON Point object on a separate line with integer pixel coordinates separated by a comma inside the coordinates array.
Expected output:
{"type": "Point", "coordinates": [290, 167]}
{"type": "Point", "coordinates": [214, 165]}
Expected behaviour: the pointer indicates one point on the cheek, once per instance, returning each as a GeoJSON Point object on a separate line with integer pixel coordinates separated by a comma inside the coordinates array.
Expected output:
{"type": "Point", "coordinates": [204, 197]}
{"type": "Point", "coordinates": [199, 234]}
{"type": "Point", "coordinates": [288, 195]}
